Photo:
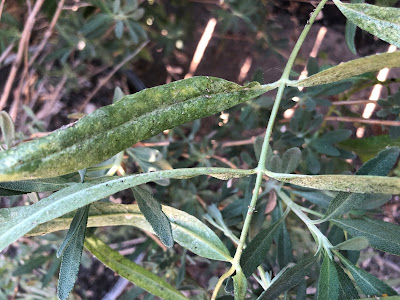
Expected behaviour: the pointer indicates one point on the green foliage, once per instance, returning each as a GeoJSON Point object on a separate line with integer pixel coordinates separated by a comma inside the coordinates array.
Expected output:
{"type": "Point", "coordinates": [70, 252]}
{"type": "Point", "coordinates": [328, 287]}
{"type": "Point", "coordinates": [289, 277]}
{"type": "Point", "coordinates": [383, 22]}
{"type": "Point", "coordinates": [251, 238]}
{"type": "Point", "coordinates": [153, 213]}
{"type": "Point", "coordinates": [129, 120]}
{"type": "Point", "coordinates": [369, 284]}
{"type": "Point", "coordinates": [380, 165]}
{"type": "Point", "coordinates": [131, 271]}
{"type": "Point", "coordinates": [391, 107]}
{"type": "Point", "coordinates": [253, 254]}
{"type": "Point", "coordinates": [381, 235]}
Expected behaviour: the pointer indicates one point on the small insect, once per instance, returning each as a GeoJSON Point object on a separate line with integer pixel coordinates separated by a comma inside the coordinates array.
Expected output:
{"type": "Point", "coordinates": [253, 210]}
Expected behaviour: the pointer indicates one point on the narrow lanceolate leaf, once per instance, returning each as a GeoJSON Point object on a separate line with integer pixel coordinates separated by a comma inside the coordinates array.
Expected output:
{"type": "Point", "coordinates": [363, 183]}
{"type": "Point", "coordinates": [113, 128]}
{"type": "Point", "coordinates": [285, 255]}
{"type": "Point", "coordinates": [71, 255]}
{"type": "Point", "coordinates": [17, 221]}
{"type": "Point", "coordinates": [379, 165]}
{"type": "Point", "coordinates": [79, 220]}
{"type": "Point", "coordinates": [383, 22]}
{"type": "Point", "coordinates": [328, 286]}
{"type": "Point", "coordinates": [37, 185]}
{"type": "Point", "coordinates": [255, 252]}
{"type": "Point", "coordinates": [289, 279]}
{"type": "Point", "coordinates": [350, 32]}
{"type": "Point", "coordinates": [352, 68]}
{"type": "Point", "coordinates": [7, 129]}
{"type": "Point", "coordinates": [151, 209]}
{"type": "Point", "coordinates": [354, 244]}
{"type": "Point", "coordinates": [369, 284]}
{"type": "Point", "coordinates": [347, 290]}
{"type": "Point", "coordinates": [342, 183]}
{"type": "Point", "coordinates": [240, 285]}
{"type": "Point", "coordinates": [131, 271]}
{"type": "Point", "coordinates": [381, 235]}
{"type": "Point", "coordinates": [187, 230]}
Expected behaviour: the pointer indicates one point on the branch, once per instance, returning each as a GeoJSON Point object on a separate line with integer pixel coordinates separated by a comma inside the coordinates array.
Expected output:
{"type": "Point", "coordinates": [21, 46]}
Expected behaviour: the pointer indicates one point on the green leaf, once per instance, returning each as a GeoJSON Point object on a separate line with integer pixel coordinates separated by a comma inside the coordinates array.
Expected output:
{"type": "Point", "coordinates": [118, 94]}
{"type": "Point", "coordinates": [146, 154]}
{"type": "Point", "coordinates": [369, 284]}
{"type": "Point", "coordinates": [240, 285]}
{"type": "Point", "coordinates": [353, 244]}
{"type": "Point", "coordinates": [357, 243]}
{"type": "Point", "coordinates": [335, 136]}
{"type": "Point", "coordinates": [119, 29]}
{"type": "Point", "coordinates": [385, 2]}
{"type": "Point", "coordinates": [151, 209]}
{"type": "Point", "coordinates": [116, 6]}
{"type": "Point", "coordinates": [7, 129]}
{"type": "Point", "coordinates": [352, 68]}
{"type": "Point", "coordinates": [79, 220]}
{"type": "Point", "coordinates": [96, 25]}
{"type": "Point", "coordinates": [131, 271]}
{"type": "Point", "coordinates": [374, 201]}
{"type": "Point", "coordinates": [285, 255]}
{"type": "Point", "coordinates": [325, 148]}
{"type": "Point", "coordinates": [381, 235]}
{"type": "Point", "coordinates": [350, 32]}
{"type": "Point", "coordinates": [17, 221]}
{"type": "Point", "coordinates": [347, 290]}
{"type": "Point", "coordinates": [328, 286]}
{"type": "Point", "coordinates": [380, 165]}
{"type": "Point", "coordinates": [30, 265]}
{"type": "Point", "coordinates": [187, 230]}
{"type": "Point", "coordinates": [282, 239]}
{"type": "Point", "coordinates": [255, 252]}
{"type": "Point", "coordinates": [51, 271]}
{"type": "Point", "coordinates": [367, 148]}
{"type": "Point", "coordinates": [342, 183]}
{"type": "Point", "coordinates": [317, 197]}
{"type": "Point", "coordinates": [72, 254]}
{"type": "Point", "coordinates": [291, 159]}
{"type": "Point", "coordinates": [114, 128]}
{"type": "Point", "coordinates": [383, 22]}
{"type": "Point", "coordinates": [289, 278]}
{"type": "Point", "coordinates": [362, 183]}
{"type": "Point", "coordinates": [275, 164]}
{"type": "Point", "coordinates": [37, 185]}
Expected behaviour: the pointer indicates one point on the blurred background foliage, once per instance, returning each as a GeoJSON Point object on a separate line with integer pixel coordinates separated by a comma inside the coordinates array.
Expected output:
{"type": "Point", "coordinates": [85, 45]}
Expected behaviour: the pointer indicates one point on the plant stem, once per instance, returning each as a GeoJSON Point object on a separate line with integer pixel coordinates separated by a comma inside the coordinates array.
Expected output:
{"type": "Point", "coordinates": [221, 280]}
{"type": "Point", "coordinates": [261, 163]}
{"type": "Point", "coordinates": [317, 234]}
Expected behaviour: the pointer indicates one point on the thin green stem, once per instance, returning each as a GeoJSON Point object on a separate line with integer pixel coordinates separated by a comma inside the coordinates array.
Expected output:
{"type": "Point", "coordinates": [317, 234]}
{"type": "Point", "coordinates": [310, 211]}
{"type": "Point", "coordinates": [261, 163]}
{"type": "Point", "coordinates": [221, 280]}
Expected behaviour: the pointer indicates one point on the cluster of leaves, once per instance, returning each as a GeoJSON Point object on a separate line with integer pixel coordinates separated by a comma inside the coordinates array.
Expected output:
{"type": "Point", "coordinates": [279, 253]}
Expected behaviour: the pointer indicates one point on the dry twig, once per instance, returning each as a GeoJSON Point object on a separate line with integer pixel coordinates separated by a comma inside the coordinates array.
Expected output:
{"type": "Point", "coordinates": [365, 121]}
{"type": "Point", "coordinates": [1, 7]}
{"type": "Point", "coordinates": [48, 33]}
{"type": "Point", "coordinates": [23, 44]}
{"type": "Point", "coordinates": [104, 80]}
